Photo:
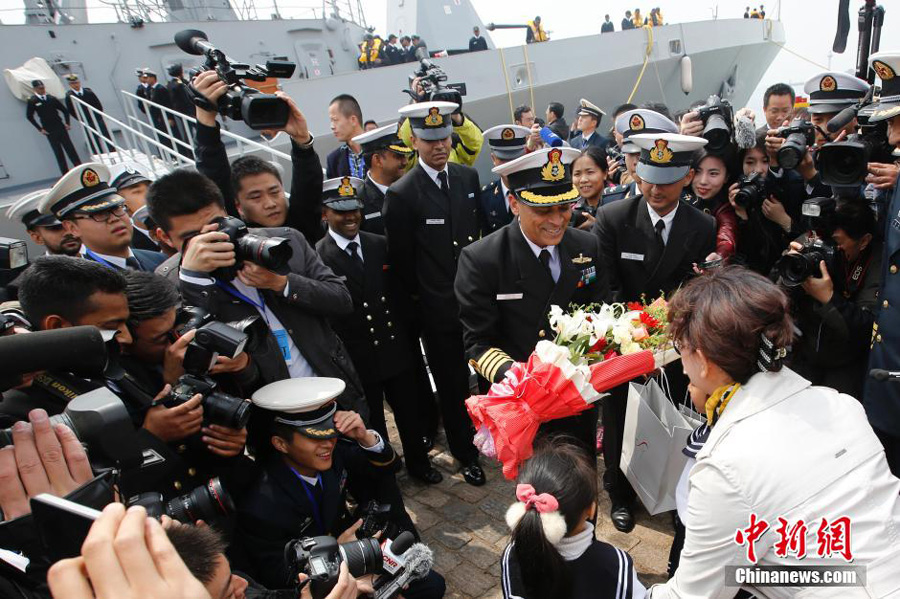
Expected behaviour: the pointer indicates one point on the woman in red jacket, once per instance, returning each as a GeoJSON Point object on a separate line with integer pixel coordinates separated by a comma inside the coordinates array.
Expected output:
{"type": "Point", "coordinates": [709, 192]}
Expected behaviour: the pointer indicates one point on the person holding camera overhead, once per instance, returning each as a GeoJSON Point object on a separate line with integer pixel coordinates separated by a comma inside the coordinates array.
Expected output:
{"type": "Point", "coordinates": [251, 187]}
{"type": "Point", "coordinates": [313, 455]}
{"type": "Point", "coordinates": [226, 269]}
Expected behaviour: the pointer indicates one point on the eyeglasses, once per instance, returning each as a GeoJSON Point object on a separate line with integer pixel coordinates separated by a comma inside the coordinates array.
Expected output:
{"type": "Point", "coordinates": [103, 216]}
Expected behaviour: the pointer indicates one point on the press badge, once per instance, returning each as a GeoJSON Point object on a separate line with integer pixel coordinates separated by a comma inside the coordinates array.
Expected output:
{"type": "Point", "coordinates": [284, 344]}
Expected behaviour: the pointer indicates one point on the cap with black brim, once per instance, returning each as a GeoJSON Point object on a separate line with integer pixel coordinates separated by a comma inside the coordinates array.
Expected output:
{"type": "Point", "coordinates": [342, 194]}
{"type": "Point", "coordinates": [665, 157]}
{"type": "Point", "coordinates": [507, 142]}
{"type": "Point", "coordinates": [639, 121]}
{"type": "Point", "coordinates": [430, 120]}
{"type": "Point", "coordinates": [383, 138]}
{"type": "Point", "coordinates": [26, 210]}
{"type": "Point", "coordinates": [543, 177]}
{"type": "Point", "coordinates": [128, 177]}
{"type": "Point", "coordinates": [307, 404]}
{"type": "Point", "coordinates": [831, 92]}
{"type": "Point", "coordinates": [886, 65]}
{"type": "Point", "coordinates": [84, 188]}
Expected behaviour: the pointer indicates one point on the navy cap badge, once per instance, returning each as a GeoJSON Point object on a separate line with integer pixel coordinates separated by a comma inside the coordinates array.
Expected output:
{"type": "Point", "coordinates": [90, 178]}
{"type": "Point", "coordinates": [661, 153]}
{"type": "Point", "coordinates": [434, 118]}
{"type": "Point", "coordinates": [346, 188]}
{"type": "Point", "coordinates": [554, 170]}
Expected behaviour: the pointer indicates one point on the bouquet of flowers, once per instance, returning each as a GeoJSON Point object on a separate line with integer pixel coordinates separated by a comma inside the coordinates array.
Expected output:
{"type": "Point", "coordinates": [596, 348]}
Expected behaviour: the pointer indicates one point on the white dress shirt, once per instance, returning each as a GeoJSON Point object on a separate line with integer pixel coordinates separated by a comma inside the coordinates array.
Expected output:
{"type": "Point", "coordinates": [382, 188]}
{"type": "Point", "coordinates": [667, 219]}
{"type": "Point", "coordinates": [342, 242]}
{"type": "Point", "coordinates": [434, 174]}
{"type": "Point", "coordinates": [114, 260]}
{"type": "Point", "coordinates": [555, 265]}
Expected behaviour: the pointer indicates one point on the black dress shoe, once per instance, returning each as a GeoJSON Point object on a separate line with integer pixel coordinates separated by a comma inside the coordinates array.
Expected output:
{"type": "Point", "coordinates": [622, 518]}
{"type": "Point", "coordinates": [431, 476]}
{"type": "Point", "coordinates": [428, 442]}
{"type": "Point", "coordinates": [473, 474]}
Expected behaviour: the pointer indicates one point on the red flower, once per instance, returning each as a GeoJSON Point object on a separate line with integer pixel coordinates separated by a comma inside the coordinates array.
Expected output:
{"type": "Point", "coordinates": [649, 321]}
{"type": "Point", "coordinates": [610, 354]}
{"type": "Point", "coordinates": [601, 343]}
{"type": "Point", "coordinates": [634, 306]}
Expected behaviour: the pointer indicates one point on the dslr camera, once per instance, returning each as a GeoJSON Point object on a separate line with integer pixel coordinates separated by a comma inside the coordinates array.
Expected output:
{"type": "Point", "coordinates": [376, 517]}
{"type": "Point", "coordinates": [211, 340]}
{"type": "Point", "coordinates": [320, 559]}
{"type": "Point", "coordinates": [818, 216]}
{"type": "Point", "coordinates": [208, 502]}
{"type": "Point", "coordinates": [433, 79]}
{"type": "Point", "coordinates": [798, 136]}
{"type": "Point", "coordinates": [753, 189]}
{"type": "Point", "coordinates": [272, 253]}
{"type": "Point", "coordinates": [718, 122]}
{"type": "Point", "coordinates": [240, 102]}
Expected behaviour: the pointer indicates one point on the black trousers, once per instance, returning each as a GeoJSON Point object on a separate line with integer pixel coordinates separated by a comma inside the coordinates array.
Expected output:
{"type": "Point", "coordinates": [401, 392]}
{"type": "Point", "coordinates": [447, 361]}
{"type": "Point", "coordinates": [614, 405]}
{"type": "Point", "coordinates": [62, 145]}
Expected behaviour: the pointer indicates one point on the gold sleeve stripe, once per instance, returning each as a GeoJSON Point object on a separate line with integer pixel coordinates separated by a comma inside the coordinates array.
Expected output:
{"type": "Point", "coordinates": [490, 362]}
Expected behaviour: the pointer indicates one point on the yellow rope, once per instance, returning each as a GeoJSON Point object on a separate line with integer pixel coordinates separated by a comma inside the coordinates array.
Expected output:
{"type": "Point", "coordinates": [646, 60]}
{"type": "Point", "coordinates": [512, 111]}
{"type": "Point", "coordinates": [800, 56]}
{"type": "Point", "coordinates": [530, 83]}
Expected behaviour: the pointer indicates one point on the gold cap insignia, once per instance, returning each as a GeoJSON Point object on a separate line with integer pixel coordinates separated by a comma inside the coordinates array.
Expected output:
{"type": "Point", "coordinates": [90, 178]}
{"type": "Point", "coordinates": [346, 188]}
{"type": "Point", "coordinates": [434, 118]}
{"type": "Point", "coordinates": [828, 84]}
{"type": "Point", "coordinates": [508, 134]}
{"type": "Point", "coordinates": [554, 170]}
{"type": "Point", "coordinates": [884, 71]}
{"type": "Point", "coordinates": [636, 123]}
{"type": "Point", "coordinates": [661, 154]}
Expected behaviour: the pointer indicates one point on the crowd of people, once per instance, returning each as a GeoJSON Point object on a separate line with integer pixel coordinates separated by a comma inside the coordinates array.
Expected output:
{"type": "Point", "coordinates": [250, 343]}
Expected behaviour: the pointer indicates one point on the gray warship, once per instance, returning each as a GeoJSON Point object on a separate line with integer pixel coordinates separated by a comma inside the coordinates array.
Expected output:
{"type": "Point", "coordinates": [676, 64]}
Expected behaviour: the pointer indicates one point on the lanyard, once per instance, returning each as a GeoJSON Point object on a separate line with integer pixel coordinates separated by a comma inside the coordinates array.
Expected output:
{"type": "Point", "coordinates": [100, 260]}
{"type": "Point", "coordinates": [357, 165]}
{"type": "Point", "coordinates": [312, 499]}
{"type": "Point", "coordinates": [261, 306]}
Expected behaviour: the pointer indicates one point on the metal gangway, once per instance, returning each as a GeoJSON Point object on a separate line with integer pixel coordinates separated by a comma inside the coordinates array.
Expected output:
{"type": "Point", "coordinates": [155, 152]}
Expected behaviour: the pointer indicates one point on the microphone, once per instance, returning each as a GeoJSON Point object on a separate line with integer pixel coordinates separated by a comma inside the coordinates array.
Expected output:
{"type": "Point", "coordinates": [193, 41]}
{"type": "Point", "coordinates": [79, 350]}
{"type": "Point", "coordinates": [840, 120]}
{"type": "Point", "coordinates": [418, 562]}
{"type": "Point", "coordinates": [393, 552]}
{"type": "Point", "coordinates": [885, 375]}
{"type": "Point", "coordinates": [745, 133]}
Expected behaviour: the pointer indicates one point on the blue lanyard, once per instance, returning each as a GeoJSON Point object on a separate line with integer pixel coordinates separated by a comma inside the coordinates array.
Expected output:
{"type": "Point", "coordinates": [100, 260]}
{"type": "Point", "coordinates": [357, 165]}
{"type": "Point", "coordinates": [312, 500]}
{"type": "Point", "coordinates": [236, 293]}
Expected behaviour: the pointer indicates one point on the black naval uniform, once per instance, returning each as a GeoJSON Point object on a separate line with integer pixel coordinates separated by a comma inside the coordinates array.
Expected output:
{"type": "Point", "coordinates": [635, 267]}
{"type": "Point", "coordinates": [427, 229]}
{"type": "Point", "coordinates": [379, 341]}
{"type": "Point", "coordinates": [48, 110]}
{"type": "Point", "coordinates": [619, 192]}
{"type": "Point", "coordinates": [373, 204]}
{"type": "Point", "coordinates": [505, 294]}
{"type": "Point", "coordinates": [495, 206]}
{"type": "Point", "coordinates": [95, 142]}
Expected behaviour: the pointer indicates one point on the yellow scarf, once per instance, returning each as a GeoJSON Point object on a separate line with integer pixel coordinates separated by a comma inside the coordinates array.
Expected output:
{"type": "Point", "coordinates": [716, 403]}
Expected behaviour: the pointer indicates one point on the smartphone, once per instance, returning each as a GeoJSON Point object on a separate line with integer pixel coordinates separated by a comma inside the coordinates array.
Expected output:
{"type": "Point", "coordinates": [62, 524]}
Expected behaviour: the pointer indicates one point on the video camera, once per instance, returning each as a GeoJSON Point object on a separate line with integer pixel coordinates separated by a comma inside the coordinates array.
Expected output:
{"type": "Point", "coordinates": [845, 163]}
{"type": "Point", "coordinates": [718, 122]}
{"type": "Point", "coordinates": [211, 340]}
{"type": "Point", "coordinates": [795, 268]}
{"type": "Point", "coordinates": [320, 559]}
{"type": "Point", "coordinates": [240, 102]}
{"type": "Point", "coordinates": [798, 136]}
{"type": "Point", "coordinates": [208, 502]}
{"type": "Point", "coordinates": [13, 259]}
{"type": "Point", "coordinates": [432, 78]}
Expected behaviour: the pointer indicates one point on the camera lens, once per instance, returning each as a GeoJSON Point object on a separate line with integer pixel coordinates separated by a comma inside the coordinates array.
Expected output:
{"type": "Point", "coordinates": [269, 252]}
{"type": "Point", "coordinates": [792, 151]}
{"type": "Point", "coordinates": [207, 503]}
{"type": "Point", "coordinates": [362, 557]}
{"type": "Point", "coordinates": [796, 268]}
{"type": "Point", "coordinates": [264, 111]}
{"type": "Point", "coordinates": [716, 132]}
{"type": "Point", "coordinates": [843, 163]}
{"type": "Point", "coordinates": [226, 410]}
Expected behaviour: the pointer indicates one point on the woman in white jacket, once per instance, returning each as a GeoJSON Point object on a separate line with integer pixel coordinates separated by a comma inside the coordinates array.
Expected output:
{"type": "Point", "coordinates": [776, 447]}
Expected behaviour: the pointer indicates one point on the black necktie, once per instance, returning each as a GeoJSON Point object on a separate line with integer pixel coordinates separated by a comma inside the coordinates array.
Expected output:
{"type": "Point", "coordinates": [660, 241]}
{"type": "Point", "coordinates": [354, 255]}
{"type": "Point", "coordinates": [132, 263]}
{"type": "Point", "coordinates": [444, 186]}
{"type": "Point", "coordinates": [544, 257]}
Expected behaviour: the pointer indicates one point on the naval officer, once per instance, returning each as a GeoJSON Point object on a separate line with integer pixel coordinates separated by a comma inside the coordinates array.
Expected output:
{"type": "Point", "coordinates": [649, 244]}
{"type": "Point", "coordinates": [431, 214]}
{"type": "Point", "coordinates": [92, 119]}
{"type": "Point", "coordinates": [44, 229]}
{"type": "Point", "coordinates": [588, 120]}
{"type": "Point", "coordinates": [387, 157]}
{"type": "Point", "coordinates": [48, 108]}
{"type": "Point", "coordinates": [377, 334]}
{"type": "Point", "coordinates": [507, 142]}
{"type": "Point", "coordinates": [508, 281]}
{"type": "Point", "coordinates": [881, 398]}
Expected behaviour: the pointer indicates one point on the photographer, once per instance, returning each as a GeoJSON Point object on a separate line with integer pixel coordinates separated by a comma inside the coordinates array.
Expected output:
{"type": "Point", "coordinates": [836, 308]}
{"type": "Point", "coordinates": [312, 456]}
{"type": "Point", "coordinates": [251, 187]}
{"type": "Point", "coordinates": [295, 306]}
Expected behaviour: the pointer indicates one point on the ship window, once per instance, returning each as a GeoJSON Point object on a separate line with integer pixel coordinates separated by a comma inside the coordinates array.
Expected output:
{"type": "Point", "coordinates": [675, 46]}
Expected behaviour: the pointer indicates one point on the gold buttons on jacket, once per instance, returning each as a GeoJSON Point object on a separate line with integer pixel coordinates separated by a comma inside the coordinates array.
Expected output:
{"type": "Point", "coordinates": [893, 269]}
{"type": "Point", "coordinates": [878, 338]}
{"type": "Point", "coordinates": [192, 471]}
{"type": "Point", "coordinates": [542, 334]}
{"type": "Point", "coordinates": [884, 304]}
{"type": "Point", "coordinates": [177, 485]}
